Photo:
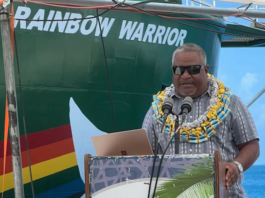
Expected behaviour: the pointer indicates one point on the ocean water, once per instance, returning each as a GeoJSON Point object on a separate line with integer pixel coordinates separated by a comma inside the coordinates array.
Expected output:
{"type": "Point", "coordinates": [254, 181]}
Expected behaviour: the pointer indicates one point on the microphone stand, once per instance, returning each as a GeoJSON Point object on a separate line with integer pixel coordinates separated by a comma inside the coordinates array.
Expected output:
{"type": "Point", "coordinates": [167, 109]}
{"type": "Point", "coordinates": [185, 109]}
{"type": "Point", "coordinates": [160, 163]}
{"type": "Point", "coordinates": [170, 141]}
{"type": "Point", "coordinates": [176, 136]}
{"type": "Point", "coordinates": [155, 156]}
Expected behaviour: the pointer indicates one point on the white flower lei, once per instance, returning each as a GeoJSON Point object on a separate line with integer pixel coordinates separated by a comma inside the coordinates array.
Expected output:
{"type": "Point", "coordinates": [213, 101]}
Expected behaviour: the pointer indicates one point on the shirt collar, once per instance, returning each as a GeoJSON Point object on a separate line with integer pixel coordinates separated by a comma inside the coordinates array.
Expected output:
{"type": "Point", "coordinates": [175, 94]}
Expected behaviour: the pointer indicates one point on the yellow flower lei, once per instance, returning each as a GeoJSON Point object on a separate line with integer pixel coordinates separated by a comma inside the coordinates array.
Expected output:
{"type": "Point", "coordinates": [205, 126]}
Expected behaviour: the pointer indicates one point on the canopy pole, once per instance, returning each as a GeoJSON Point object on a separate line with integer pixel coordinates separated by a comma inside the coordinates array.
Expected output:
{"type": "Point", "coordinates": [12, 103]}
{"type": "Point", "coordinates": [164, 7]}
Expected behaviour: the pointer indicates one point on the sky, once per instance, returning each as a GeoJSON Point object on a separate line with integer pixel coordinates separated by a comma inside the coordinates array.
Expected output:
{"type": "Point", "coordinates": [243, 70]}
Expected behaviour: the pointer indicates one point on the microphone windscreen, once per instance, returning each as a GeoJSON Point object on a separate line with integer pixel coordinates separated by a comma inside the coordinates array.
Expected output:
{"type": "Point", "coordinates": [169, 101]}
{"type": "Point", "coordinates": [188, 100]}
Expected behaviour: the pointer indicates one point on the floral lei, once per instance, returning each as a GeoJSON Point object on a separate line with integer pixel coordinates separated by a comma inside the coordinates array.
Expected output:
{"type": "Point", "coordinates": [203, 128]}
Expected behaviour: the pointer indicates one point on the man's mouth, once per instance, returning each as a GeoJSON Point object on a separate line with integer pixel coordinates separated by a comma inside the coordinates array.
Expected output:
{"type": "Point", "coordinates": [187, 83]}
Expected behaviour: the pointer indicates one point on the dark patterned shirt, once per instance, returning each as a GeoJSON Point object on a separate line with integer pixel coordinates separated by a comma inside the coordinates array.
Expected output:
{"type": "Point", "coordinates": [238, 128]}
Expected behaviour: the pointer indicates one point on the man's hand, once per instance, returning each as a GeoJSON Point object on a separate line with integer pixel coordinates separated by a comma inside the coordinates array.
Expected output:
{"type": "Point", "coordinates": [248, 154]}
{"type": "Point", "coordinates": [231, 175]}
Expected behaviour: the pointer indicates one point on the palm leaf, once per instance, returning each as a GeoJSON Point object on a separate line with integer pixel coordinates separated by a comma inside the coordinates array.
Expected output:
{"type": "Point", "coordinates": [203, 189]}
{"type": "Point", "coordinates": [196, 175]}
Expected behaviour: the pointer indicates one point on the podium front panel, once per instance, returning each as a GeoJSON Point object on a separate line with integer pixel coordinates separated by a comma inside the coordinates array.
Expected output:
{"type": "Point", "coordinates": [129, 176]}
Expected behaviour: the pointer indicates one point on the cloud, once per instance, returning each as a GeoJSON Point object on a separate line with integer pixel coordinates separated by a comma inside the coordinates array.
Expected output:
{"type": "Point", "coordinates": [246, 85]}
{"type": "Point", "coordinates": [248, 81]}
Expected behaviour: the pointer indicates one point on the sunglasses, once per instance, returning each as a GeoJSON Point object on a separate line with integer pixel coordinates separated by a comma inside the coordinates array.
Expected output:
{"type": "Point", "coordinates": [193, 69]}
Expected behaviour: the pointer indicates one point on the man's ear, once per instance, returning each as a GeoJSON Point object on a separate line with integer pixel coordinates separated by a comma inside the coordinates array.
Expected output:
{"type": "Point", "coordinates": [206, 68]}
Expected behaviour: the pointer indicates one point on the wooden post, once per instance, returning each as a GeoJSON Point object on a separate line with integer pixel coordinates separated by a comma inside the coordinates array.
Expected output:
{"type": "Point", "coordinates": [87, 189]}
{"type": "Point", "coordinates": [220, 191]}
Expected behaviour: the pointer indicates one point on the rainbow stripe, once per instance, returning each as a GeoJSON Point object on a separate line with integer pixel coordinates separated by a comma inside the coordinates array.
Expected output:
{"type": "Point", "coordinates": [53, 162]}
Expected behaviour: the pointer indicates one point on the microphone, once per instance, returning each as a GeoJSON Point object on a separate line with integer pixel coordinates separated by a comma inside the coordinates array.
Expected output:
{"type": "Point", "coordinates": [167, 107]}
{"type": "Point", "coordinates": [186, 107]}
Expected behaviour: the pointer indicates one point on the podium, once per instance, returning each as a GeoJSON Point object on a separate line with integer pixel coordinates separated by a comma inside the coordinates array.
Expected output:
{"type": "Point", "coordinates": [183, 175]}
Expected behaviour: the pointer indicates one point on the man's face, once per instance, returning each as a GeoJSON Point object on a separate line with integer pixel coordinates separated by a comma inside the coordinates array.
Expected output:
{"type": "Point", "coordinates": [186, 84]}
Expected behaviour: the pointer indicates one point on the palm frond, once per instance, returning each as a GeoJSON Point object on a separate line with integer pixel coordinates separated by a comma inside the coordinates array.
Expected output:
{"type": "Point", "coordinates": [203, 189]}
{"type": "Point", "coordinates": [194, 175]}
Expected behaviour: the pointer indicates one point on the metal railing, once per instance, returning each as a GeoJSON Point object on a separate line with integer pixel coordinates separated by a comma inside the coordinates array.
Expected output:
{"type": "Point", "coordinates": [212, 3]}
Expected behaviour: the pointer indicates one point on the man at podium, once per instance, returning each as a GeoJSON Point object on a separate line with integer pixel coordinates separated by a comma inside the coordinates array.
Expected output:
{"type": "Point", "coordinates": [218, 119]}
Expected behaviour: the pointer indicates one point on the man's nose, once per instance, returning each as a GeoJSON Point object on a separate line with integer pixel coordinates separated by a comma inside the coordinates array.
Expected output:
{"type": "Point", "coordinates": [186, 74]}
